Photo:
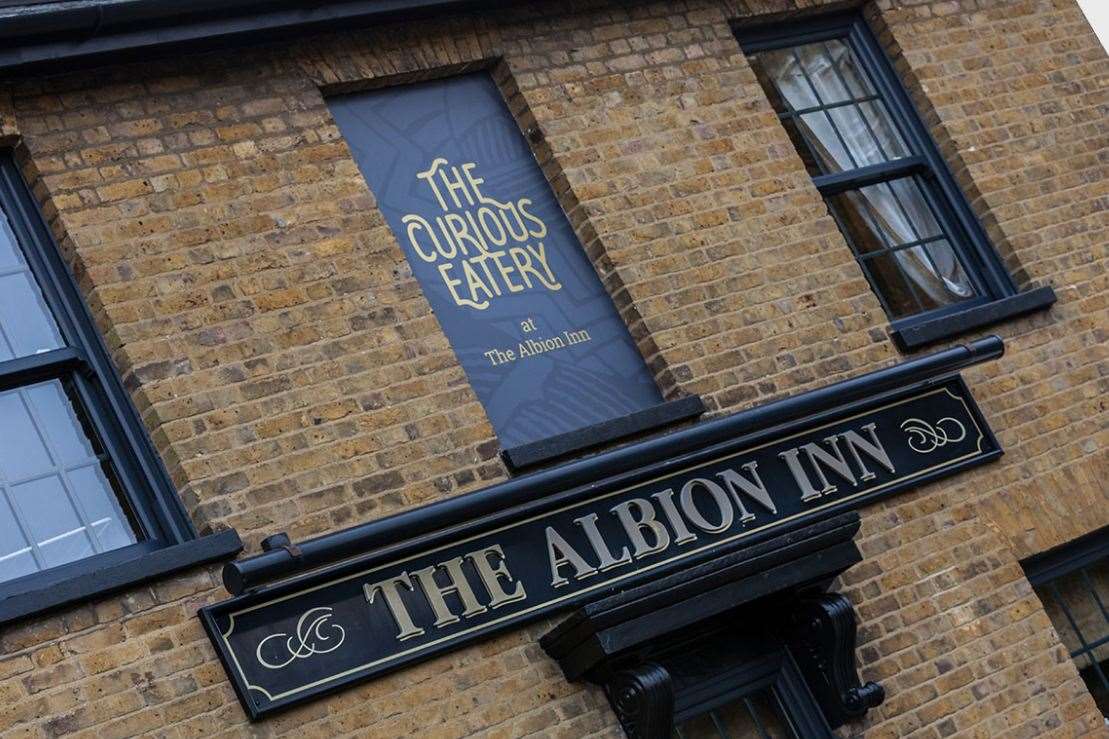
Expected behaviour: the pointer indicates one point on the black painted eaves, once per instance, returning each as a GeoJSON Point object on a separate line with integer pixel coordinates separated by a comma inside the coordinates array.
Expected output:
{"type": "Point", "coordinates": [55, 35]}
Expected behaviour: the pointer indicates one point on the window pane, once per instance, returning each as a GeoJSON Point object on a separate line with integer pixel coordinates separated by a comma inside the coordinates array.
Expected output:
{"type": "Point", "coordinates": [824, 78]}
{"type": "Point", "coordinates": [784, 80]}
{"type": "Point", "coordinates": [860, 224]}
{"type": "Point", "coordinates": [94, 492]}
{"type": "Point", "coordinates": [936, 273]}
{"type": "Point", "coordinates": [832, 149]}
{"type": "Point", "coordinates": [908, 258]}
{"type": "Point", "coordinates": [849, 129]}
{"type": "Point", "coordinates": [896, 212]}
{"type": "Point", "coordinates": [854, 132]}
{"type": "Point", "coordinates": [16, 558]}
{"type": "Point", "coordinates": [23, 452]}
{"type": "Point", "coordinates": [868, 138]}
{"type": "Point", "coordinates": [755, 716]}
{"type": "Point", "coordinates": [848, 68]}
{"type": "Point", "coordinates": [882, 128]}
{"type": "Point", "coordinates": [887, 215]}
{"type": "Point", "coordinates": [892, 286]}
{"type": "Point", "coordinates": [63, 431]}
{"type": "Point", "coordinates": [52, 485]}
{"type": "Point", "coordinates": [26, 325]}
{"type": "Point", "coordinates": [10, 255]}
{"type": "Point", "coordinates": [903, 204]}
{"type": "Point", "coordinates": [1078, 605]}
{"type": "Point", "coordinates": [52, 521]}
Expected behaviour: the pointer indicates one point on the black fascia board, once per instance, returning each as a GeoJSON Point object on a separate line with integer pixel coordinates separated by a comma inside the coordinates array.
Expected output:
{"type": "Point", "coordinates": [543, 488]}
{"type": "Point", "coordinates": [40, 39]}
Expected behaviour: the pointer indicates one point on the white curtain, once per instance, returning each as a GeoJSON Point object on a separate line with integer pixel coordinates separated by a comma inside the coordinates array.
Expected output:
{"type": "Point", "coordinates": [896, 212]}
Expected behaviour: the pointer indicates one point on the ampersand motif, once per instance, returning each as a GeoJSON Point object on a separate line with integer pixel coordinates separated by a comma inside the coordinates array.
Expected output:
{"type": "Point", "coordinates": [310, 634]}
{"type": "Point", "coordinates": [925, 437]}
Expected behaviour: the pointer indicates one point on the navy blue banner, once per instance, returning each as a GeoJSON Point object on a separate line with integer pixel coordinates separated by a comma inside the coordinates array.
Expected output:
{"type": "Point", "coordinates": [520, 302]}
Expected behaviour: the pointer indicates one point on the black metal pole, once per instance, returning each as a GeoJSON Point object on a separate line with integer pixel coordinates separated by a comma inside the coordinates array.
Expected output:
{"type": "Point", "coordinates": [285, 559]}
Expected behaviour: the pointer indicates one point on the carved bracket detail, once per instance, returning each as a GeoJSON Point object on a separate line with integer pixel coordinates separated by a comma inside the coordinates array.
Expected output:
{"type": "Point", "coordinates": [643, 699]}
{"type": "Point", "coordinates": [822, 631]}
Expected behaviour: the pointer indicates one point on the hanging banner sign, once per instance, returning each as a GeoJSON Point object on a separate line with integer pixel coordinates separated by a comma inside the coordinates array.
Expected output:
{"type": "Point", "coordinates": [532, 325]}
{"type": "Point", "coordinates": [287, 643]}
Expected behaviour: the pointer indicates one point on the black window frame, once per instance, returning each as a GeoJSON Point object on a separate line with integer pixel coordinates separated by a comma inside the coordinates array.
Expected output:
{"type": "Point", "coordinates": [1046, 569]}
{"type": "Point", "coordinates": [167, 539]}
{"type": "Point", "coordinates": [999, 298]}
{"type": "Point", "coordinates": [776, 672]}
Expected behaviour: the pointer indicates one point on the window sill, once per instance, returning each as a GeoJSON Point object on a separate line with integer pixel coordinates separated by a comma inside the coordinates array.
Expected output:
{"type": "Point", "coordinates": [951, 325]}
{"type": "Point", "coordinates": [101, 582]}
{"type": "Point", "coordinates": [528, 455]}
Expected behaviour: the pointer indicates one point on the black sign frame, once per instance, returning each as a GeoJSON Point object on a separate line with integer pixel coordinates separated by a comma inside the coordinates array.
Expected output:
{"type": "Point", "coordinates": [440, 544]}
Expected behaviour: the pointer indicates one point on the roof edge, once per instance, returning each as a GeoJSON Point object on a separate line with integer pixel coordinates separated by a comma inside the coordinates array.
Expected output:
{"type": "Point", "coordinates": [41, 38]}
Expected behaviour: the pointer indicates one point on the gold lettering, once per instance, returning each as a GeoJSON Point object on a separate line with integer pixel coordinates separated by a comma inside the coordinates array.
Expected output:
{"type": "Point", "coordinates": [451, 283]}
{"type": "Point", "coordinates": [689, 505]}
{"type": "Point", "coordinates": [736, 484]}
{"type": "Point", "coordinates": [389, 588]}
{"type": "Point", "coordinates": [467, 238]}
{"type": "Point", "coordinates": [458, 584]}
{"type": "Point", "coordinates": [521, 235]}
{"type": "Point", "coordinates": [428, 176]}
{"type": "Point", "coordinates": [600, 547]}
{"type": "Point", "coordinates": [461, 232]}
{"type": "Point", "coordinates": [506, 271]}
{"type": "Point", "coordinates": [416, 223]}
{"type": "Point", "coordinates": [542, 227]}
{"type": "Point", "coordinates": [560, 553]}
{"type": "Point", "coordinates": [635, 526]}
{"type": "Point", "coordinates": [474, 282]}
{"type": "Point", "coordinates": [491, 575]}
{"type": "Point", "coordinates": [455, 185]}
{"type": "Point", "coordinates": [540, 253]}
{"type": "Point", "coordinates": [872, 449]}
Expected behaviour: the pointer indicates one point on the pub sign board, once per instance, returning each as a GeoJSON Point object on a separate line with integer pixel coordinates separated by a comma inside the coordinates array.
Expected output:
{"type": "Point", "coordinates": [289, 642]}
{"type": "Point", "coordinates": [517, 297]}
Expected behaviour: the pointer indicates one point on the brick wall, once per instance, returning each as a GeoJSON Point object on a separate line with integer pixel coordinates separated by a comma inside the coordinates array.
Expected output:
{"type": "Point", "coordinates": [1017, 98]}
{"type": "Point", "coordinates": [293, 377]}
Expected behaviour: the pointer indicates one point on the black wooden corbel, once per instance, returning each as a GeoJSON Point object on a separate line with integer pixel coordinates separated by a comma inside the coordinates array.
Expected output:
{"type": "Point", "coordinates": [821, 633]}
{"type": "Point", "coordinates": [643, 699]}
{"type": "Point", "coordinates": [666, 649]}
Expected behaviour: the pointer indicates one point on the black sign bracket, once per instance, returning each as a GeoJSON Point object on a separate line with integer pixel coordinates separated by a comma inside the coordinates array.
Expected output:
{"type": "Point", "coordinates": [647, 646]}
{"type": "Point", "coordinates": [328, 549]}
